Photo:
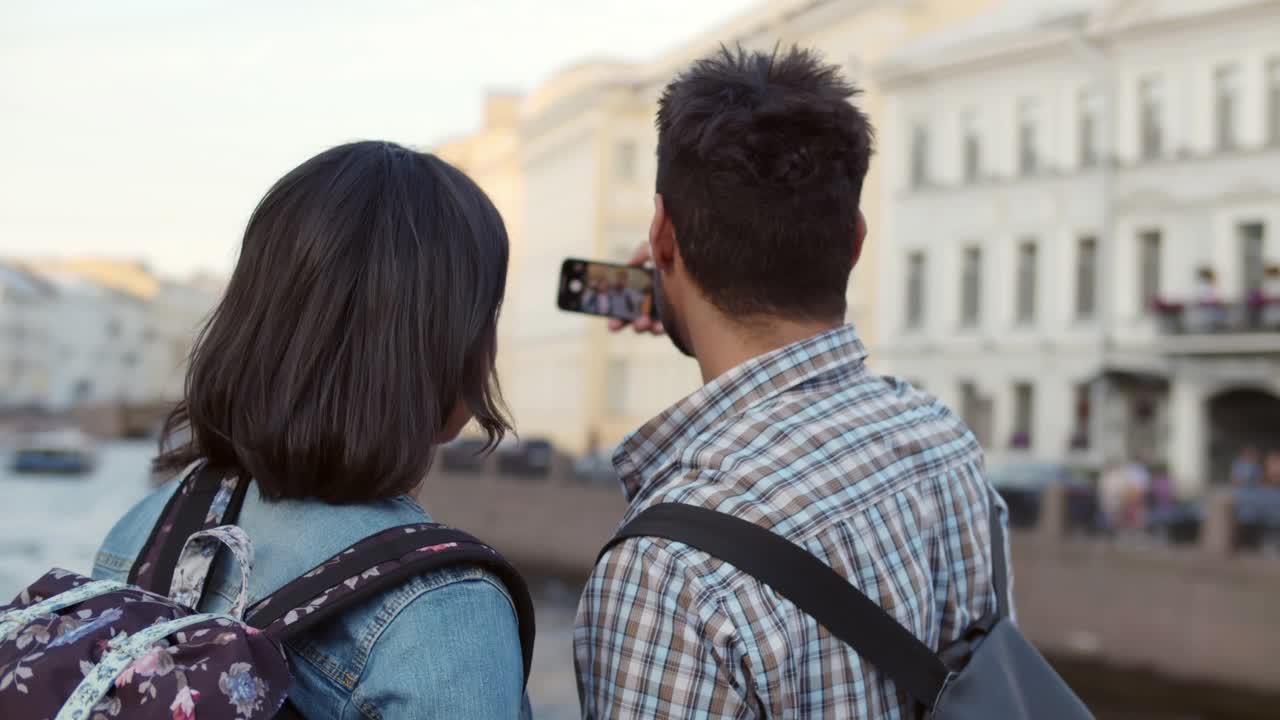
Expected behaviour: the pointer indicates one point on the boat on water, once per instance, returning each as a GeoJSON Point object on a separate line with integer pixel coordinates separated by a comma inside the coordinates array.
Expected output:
{"type": "Point", "coordinates": [59, 452]}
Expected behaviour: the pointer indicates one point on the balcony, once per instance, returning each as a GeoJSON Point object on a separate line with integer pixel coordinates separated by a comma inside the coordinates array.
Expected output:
{"type": "Point", "coordinates": [1248, 326]}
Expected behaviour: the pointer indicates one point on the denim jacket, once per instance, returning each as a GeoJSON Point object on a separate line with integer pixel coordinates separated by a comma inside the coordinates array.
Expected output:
{"type": "Point", "coordinates": [444, 645]}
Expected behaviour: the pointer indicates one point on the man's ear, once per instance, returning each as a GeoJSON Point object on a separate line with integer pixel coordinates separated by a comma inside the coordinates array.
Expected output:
{"type": "Point", "coordinates": [662, 237]}
{"type": "Point", "coordinates": [859, 237]}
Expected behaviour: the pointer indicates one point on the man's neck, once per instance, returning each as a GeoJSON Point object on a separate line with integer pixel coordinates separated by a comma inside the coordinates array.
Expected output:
{"type": "Point", "coordinates": [722, 346]}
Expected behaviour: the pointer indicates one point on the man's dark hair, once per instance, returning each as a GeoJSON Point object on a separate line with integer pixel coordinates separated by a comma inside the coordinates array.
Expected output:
{"type": "Point", "coordinates": [761, 158]}
{"type": "Point", "coordinates": [362, 311]}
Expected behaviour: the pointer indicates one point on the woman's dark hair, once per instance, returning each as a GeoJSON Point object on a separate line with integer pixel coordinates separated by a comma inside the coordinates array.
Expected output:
{"type": "Point", "coordinates": [362, 311]}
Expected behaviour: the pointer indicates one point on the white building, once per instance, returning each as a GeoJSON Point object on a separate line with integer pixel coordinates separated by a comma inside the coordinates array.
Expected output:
{"type": "Point", "coordinates": [177, 313]}
{"type": "Point", "coordinates": [94, 333]}
{"type": "Point", "coordinates": [94, 354]}
{"type": "Point", "coordinates": [571, 166]}
{"type": "Point", "coordinates": [1058, 177]}
{"type": "Point", "coordinates": [24, 338]}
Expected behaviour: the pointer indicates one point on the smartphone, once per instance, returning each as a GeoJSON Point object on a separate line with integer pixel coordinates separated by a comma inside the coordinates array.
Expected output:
{"type": "Point", "coordinates": [606, 290]}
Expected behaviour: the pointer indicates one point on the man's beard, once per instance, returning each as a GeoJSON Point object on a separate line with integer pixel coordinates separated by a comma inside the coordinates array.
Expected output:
{"type": "Point", "coordinates": [667, 316]}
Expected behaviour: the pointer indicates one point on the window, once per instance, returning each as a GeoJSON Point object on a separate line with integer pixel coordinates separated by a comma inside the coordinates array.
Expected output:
{"type": "Point", "coordinates": [1023, 415]}
{"type": "Point", "coordinates": [1086, 278]}
{"type": "Point", "coordinates": [1273, 101]}
{"type": "Point", "coordinates": [1083, 417]}
{"type": "Point", "coordinates": [1026, 293]}
{"type": "Point", "coordinates": [972, 148]}
{"type": "Point", "coordinates": [919, 156]}
{"type": "Point", "coordinates": [1090, 128]}
{"type": "Point", "coordinates": [1151, 118]}
{"type": "Point", "coordinates": [1226, 96]}
{"type": "Point", "coordinates": [969, 400]}
{"type": "Point", "coordinates": [976, 411]}
{"type": "Point", "coordinates": [915, 290]}
{"type": "Point", "coordinates": [625, 160]}
{"type": "Point", "coordinates": [1149, 268]}
{"type": "Point", "coordinates": [971, 287]}
{"type": "Point", "coordinates": [1028, 150]}
{"type": "Point", "coordinates": [615, 387]}
{"type": "Point", "coordinates": [1253, 263]}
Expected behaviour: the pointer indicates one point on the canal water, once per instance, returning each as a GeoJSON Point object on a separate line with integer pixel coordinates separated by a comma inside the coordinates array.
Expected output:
{"type": "Point", "coordinates": [58, 522]}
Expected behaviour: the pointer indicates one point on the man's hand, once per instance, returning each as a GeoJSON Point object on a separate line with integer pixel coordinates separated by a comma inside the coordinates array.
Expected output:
{"type": "Point", "coordinates": [643, 324]}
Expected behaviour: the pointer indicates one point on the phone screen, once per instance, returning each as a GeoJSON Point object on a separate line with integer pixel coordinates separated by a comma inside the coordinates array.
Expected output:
{"type": "Point", "coordinates": [606, 289]}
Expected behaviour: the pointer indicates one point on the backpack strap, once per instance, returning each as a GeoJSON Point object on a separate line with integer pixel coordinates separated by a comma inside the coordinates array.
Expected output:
{"type": "Point", "coordinates": [806, 581]}
{"type": "Point", "coordinates": [999, 556]}
{"type": "Point", "coordinates": [203, 499]}
{"type": "Point", "coordinates": [379, 563]}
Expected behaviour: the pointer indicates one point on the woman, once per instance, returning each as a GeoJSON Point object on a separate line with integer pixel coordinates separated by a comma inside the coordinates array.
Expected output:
{"type": "Point", "coordinates": [357, 333]}
{"type": "Point", "coordinates": [1271, 298]}
{"type": "Point", "coordinates": [1271, 470]}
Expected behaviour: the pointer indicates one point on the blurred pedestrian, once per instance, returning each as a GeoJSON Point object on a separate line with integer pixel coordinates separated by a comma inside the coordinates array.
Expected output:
{"type": "Point", "coordinates": [1207, 287]}
{"type": "Point", "coordinates": [1271, 283]}
{"type": "Point", "coordinates": [1160, 494]}
{"type": "Point", "coordinates": [1271, 469]}
{"type": "Point", "coordinates": [1113, 494]}
{"type": "Point", "coordinates": [1246, 471]}
{"type": "Point", "coordinates": [1135, 511]}
{"type": "Point", "coordinates": [1209, 312]}
{"type": "Point", "coordinates": [1271, 297]}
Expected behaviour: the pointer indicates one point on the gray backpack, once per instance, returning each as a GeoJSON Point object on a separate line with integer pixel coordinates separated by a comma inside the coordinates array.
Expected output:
{"type": "Point", "coordinates": [990, 672]}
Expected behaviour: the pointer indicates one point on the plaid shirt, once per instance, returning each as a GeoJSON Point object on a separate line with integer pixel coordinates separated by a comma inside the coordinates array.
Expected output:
{"type": "Point", "coordinates": [875, 478]}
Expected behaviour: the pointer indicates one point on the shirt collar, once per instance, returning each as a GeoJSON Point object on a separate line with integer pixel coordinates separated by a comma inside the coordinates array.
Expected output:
{"type": "Point", "coordinates": [644, 452]}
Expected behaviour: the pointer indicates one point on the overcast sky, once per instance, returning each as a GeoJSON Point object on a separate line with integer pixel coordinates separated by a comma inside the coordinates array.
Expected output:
{"type": "Point", "coordinates": [149, 128]}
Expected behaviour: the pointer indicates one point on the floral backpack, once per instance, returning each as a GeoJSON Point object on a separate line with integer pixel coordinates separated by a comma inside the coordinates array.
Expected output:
{"type": "Point", "coordinates": [75, 649]}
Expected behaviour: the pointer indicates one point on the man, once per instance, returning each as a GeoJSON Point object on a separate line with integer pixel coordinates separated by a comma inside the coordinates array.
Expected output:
{"type": "Point", "coordinates": [1246, 470]}
{"type": "Point", "coordinates": [622, 299]}
{"type": "Point", "coordinates": [756, 228]}
{"type": "Point", "coordinates": [1271, 469]}
{"type": "Point", "coordinates": [595, 298]}
{"type": "Point", "coordinates": [1270, 317]}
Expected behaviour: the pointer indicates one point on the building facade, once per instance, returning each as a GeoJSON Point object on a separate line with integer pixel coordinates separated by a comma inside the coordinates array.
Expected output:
{"type": "Point", "coordinates": [583, 160]}
{"type": "Point", "coordinates": [491, 157]}
{"type": "Point", "coordinates": [1082, 205]}
{"type": "Point", "coordinates": [24, 337]}
{"type": "Point", "coordinates": [95, 333]}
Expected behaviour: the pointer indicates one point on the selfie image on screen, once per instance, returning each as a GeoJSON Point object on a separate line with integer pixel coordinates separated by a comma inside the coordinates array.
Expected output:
{"type": "Point", "coordinates": [607, 290]}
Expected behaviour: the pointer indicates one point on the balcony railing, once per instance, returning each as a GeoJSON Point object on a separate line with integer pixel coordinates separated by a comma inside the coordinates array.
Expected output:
{"type": "Point", "coordinates": [1255, 314]}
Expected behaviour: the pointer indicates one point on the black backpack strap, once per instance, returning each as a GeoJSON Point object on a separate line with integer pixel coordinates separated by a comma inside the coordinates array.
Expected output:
{"type": "Point", "coordinates": [999, 556]}
{"type": "Point", "coordinates": [189, 510]}
{"type": "Point", "coordinates": [805, 580]}
{"type": "Point", "coordinates": [380, 563]}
